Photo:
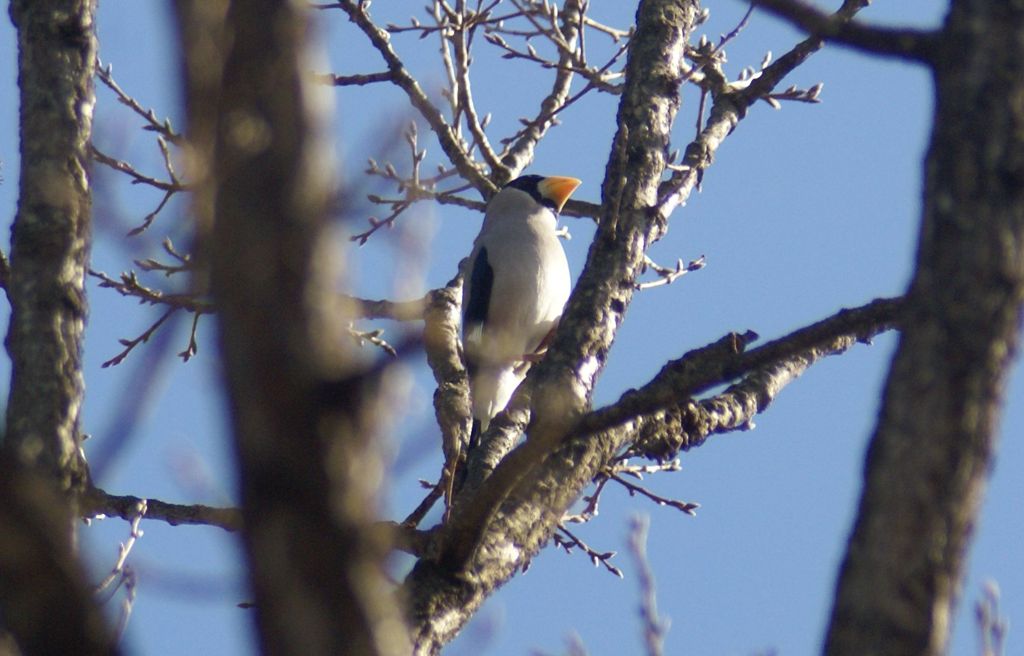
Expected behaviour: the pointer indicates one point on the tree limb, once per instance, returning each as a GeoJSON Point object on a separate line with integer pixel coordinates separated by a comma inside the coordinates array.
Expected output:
{"type": "Point", "coordinates": [50, 238]}
{"type": "Point", "coordinates": [520, 153]}
{"type": "Point", "coordinates": [726, 360]}
{"type": "Point", "coordinates": [905, 43]}
{"type": "Point", "coordinates": [661, 434]}
{"type": "Point", "coordinates": [446, 136]}
{"type": "Point", "coordinates": [935, 440]}
{"type": "Point", "coordinates": [302, 410]}
{"type": "Point", "coordinates": [98, 502]}
{"type": "Point", "coordinates": [563, 380]}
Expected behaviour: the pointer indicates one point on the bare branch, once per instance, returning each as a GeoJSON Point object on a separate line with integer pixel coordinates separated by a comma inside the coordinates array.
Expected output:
{"type": "Point", "coordinates": [519, 154]}
{"type": "Point", "coordinates": [130, 286]}
{"type": "Point", "coordinates": [686, 507]}
{"type": "Point", "coordinates": [668, 276]}
{"type": "Point", "coordinates": [730, 105]}
{"type": "Point", "coordinates": [446, 135]}
{"type": "Point", "coordinates": [137, 177]}
{"type": "Point", "coordinates": [460, 39]}
{"type": "Point", "coordinates": [373, 337]}
{"type": "Point", "coordinates": [437, 491]}
{"type": "Point", "coordinates": [130, 344]}
{"type": "Point", "coordinates": [905, 43]}
{"type": "Point", "coordinates": [354, 80]}
{"type": "Point", "coordinates": [117, 573]}
{"type": "Point", "coordinates": [655, 627]}
{"type": "Point", "coordinates": [383, 309]}
{"type": "Point", "coordinates": [97, 503]}
{"type": "Point", "coordinates": [571, 540]}
{"type": "Point", "coordinates": [184, 261]}
{"type": "Point", "coordinates": [163, 128]}
{"type": "Point", "coordinates": [592, 502]}
{"type": "Point", "coordinates": [193, 345]}
{"type": "Point", "coordinates": [726, 360]}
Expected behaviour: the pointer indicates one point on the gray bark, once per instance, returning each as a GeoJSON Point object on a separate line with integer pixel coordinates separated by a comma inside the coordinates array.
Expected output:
{"type": "Point", "coordinates": [508, 519]}
{"type": "Point", "coordinates": [51, 234]}
{"type": "Point", "coordinates": [44, 603]}
{"type": "Point", "coordinates": [934, 443]}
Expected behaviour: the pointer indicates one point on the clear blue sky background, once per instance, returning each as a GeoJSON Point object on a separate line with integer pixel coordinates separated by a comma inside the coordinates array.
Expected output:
{"type": "Point", "coordinates": [805, 210]}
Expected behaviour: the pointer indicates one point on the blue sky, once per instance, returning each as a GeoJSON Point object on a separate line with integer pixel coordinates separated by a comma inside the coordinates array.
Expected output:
{"type": "Point", "coordinates": [806, 210]}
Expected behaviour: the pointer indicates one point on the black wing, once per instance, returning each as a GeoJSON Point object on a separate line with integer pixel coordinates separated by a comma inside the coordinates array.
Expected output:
{"type": "Point", "coordinates": [481, 280]}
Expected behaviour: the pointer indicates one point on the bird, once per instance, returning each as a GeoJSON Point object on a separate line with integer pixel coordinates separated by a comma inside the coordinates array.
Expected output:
{"type": "Point", "coordinates": [516, 286]}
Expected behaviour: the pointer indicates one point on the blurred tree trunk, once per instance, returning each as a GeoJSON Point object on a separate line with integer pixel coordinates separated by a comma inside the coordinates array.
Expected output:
{"type": "Point", "coordinates": [44, 602]}
{"type": "Point", "coordinates": [301, 409]}
{"type": "Point", "coordinates": [933, 447]}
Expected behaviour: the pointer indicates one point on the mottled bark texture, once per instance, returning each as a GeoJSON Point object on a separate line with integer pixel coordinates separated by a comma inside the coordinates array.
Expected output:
{"type": "Point", "coordinates": [44, 603]}
{"type": "Point", "coordinates": [932, 449]}
{"type": "Point", "coordinates": [507, 520]}
{"type": "Point", "coordinates": [299, 406]}
{"type": "Point", "coordinates": [50, 237]}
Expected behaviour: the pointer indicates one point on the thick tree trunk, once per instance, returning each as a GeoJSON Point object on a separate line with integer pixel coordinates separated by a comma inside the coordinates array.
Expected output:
{"type": "Point", "coordinates": [44, 601]}
{"type": "Point", "coordinates": [933, 447]}
{"type": "Point", "coordinates": [300, 408]}
{"type": "Point", "coordinates": [51, 234]}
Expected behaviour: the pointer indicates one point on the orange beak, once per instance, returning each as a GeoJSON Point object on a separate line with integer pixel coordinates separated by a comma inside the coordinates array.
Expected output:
{"type": "Point", "coordinates": [557, 189]}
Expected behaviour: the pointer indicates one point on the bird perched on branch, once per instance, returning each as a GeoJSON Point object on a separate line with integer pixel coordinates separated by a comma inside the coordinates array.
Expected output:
{"type": "Point", "coordinates": [516, 286]}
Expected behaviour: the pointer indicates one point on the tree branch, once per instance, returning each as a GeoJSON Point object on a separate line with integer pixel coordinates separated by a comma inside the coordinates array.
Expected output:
{"type": "Point", "coordinates": [446, 136]}
{"type": "Point", "coordinates": [686, 424]}
{"type": "Point", "coordinates": [726, 360]}
{"type": "Point", "coordinates": [451, 399]}
{"type": "Point", "coordinates": [97, 502]}
{"type": "Point", "coordinates": [302, 410]}
{"type": "Point", "coordinates": [362, 308]}
{"type": "Point", "coordinates": [905, 43]}
{"type": "Point", "coordinates": [50, 238]}
{"type": "Point", "coordinates": [483, 544]}
{"type": "Point", "coordinates": [519, 154]}
{"type": "Point", "coordinates": [731, 102]}
{"type": "Point", "coordinates": [934, 443]}
{"type": "Point", "coordinates": [463, 94]}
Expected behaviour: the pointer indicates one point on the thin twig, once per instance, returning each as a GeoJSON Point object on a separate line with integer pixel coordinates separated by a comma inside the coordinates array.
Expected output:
{"type": "Point", "coordinates": [570, 541]}
{"type": "Point", "coordinates": [117, 572]}
{"type": "Point", "coordinates": [683, 506]}
{"type": "Point", "coordinates": [105, 74]}
{"type": "Point", "coordinates": [131, 344]}
{"type": "Point", "coordinates": [373, 337]}
{"type": "Point", "coordinates": [416, 516]}
{"type": "Point", "coordinates": [137, 177]}
{"type": "Point", "coordinates": [668, 276]}
{"type": "Point", "coordinates": [655, 627]}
